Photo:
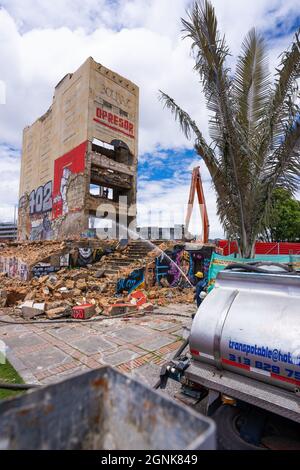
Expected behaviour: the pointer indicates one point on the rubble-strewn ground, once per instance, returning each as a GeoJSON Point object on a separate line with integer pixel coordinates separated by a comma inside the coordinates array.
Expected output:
{"type": "Point", "coordinates": [46, 353]}
{"type": "Point", "coordinates": [137, 344]}
{"type": "Point", "coordinates": [93, 284]}
{"type": "Point", "coordinates": [68, 288]}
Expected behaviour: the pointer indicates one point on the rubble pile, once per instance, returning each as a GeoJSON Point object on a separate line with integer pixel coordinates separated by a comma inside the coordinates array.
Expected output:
{"type": "Point", "coordinates": [59, 292]}
{"type": "Point", "coordinates": [164, 295]}
{"type": "Point", "coordinates": [92, 287]}
{"type": "Point", "coordinates": [30, 252]}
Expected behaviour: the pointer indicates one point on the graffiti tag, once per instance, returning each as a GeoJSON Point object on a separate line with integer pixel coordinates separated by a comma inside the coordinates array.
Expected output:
{"type": "Point", "coordinates": [40, 199]}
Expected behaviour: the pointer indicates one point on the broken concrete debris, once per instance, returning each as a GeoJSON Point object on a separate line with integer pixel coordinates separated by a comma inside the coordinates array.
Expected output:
{"type": "Point", "coordinates": [31, 310]}
{"type": "Point", "coordinates": [59, 312]}
{"type": "Point", "coordinates": [122, 309]}
{"type": "Point", "coordinates": [83, 312]}
{"type": "Point", "coordinates": [129, 282]}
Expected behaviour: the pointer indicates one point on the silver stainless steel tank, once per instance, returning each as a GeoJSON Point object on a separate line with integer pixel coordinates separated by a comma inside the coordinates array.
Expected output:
{"type": "Point", "coordinates": [250, 325]}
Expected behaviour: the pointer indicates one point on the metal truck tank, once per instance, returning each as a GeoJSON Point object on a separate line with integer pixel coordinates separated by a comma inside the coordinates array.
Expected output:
{"type": "Point", "coordinates": [250, 324]}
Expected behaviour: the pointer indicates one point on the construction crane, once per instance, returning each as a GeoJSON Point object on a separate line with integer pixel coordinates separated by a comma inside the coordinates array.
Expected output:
{"type": "Point", "coordinates": [196, 185]}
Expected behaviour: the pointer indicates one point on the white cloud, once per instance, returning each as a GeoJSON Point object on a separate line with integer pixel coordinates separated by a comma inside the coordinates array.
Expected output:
{"type": "Point", "coordinates": [93, 14]}
{"type": "Point", "coordinates": [41, 41]}
{"type": "Point", "coordinates": [167, 201]}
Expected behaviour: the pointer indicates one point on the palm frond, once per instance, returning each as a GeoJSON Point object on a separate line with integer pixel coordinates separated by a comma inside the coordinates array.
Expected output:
{"type": "Point", "coordinates": [210, 54]}
{"type": "Point", "coordinates": [188, 127]}
{"type": "Point", "coordinates": [252, 84]}
{"type": "Point", "coordinates": [281, 110]}
{"type": "Point", "coordinates": [282, 168]}
{"type": "Point", "coordinates": [254, 126]}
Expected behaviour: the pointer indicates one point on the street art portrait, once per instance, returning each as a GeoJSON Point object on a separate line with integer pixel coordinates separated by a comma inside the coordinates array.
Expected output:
{"type": "Point", "coordinates": [67, 165]}
{"type": "Point", "coordinates": [176, 268]}
{"type": "Point", "coordinates": [134, 281]}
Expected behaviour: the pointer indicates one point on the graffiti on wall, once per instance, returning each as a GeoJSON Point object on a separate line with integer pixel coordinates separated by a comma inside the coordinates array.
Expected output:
{"type": "Point", "coordinates": [40, 200]}
{"type": "Point", "coordinates": [134, 281]}
{"type": "Point", "coordinates": [43, 269]}
{"type": "Point", "coordinates": [41, 228]}
{"type": "Point", "coordinates": [35, 214]}
{"type": "Point", "coordinates": [81, 257]}
{"type": "Point", "coordinates": [85, 256]}
{"type": "Point", "coordinates": [50, 201]}
{"type": "Point", "coordinates": [64, 260]}
{"type": "Point", "coordinates": [71, 163]}
{"type": "Point", "coordinates": [178, 266]}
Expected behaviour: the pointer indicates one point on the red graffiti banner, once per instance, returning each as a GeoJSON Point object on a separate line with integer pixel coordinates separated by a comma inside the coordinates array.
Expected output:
{"type": "Point", "coordinates": [114, 122]}
{"type": "Point", "coordinates": [72, 162]}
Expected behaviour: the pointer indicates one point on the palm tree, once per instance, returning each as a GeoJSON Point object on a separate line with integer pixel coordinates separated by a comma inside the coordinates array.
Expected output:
{"type": "Point", "coordinates": [254, 124]}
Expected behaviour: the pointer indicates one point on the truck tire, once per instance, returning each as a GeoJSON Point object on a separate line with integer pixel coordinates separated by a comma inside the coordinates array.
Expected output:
{"type": "Point", "coordinates": [228, 435]}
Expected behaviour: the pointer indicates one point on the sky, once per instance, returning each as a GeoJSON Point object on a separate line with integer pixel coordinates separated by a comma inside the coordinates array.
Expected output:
{"type": "Point", "coordinates": [42, 40]}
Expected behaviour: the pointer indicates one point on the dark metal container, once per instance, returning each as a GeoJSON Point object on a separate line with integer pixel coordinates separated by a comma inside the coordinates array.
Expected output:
{"type": "Point", "coordinates": [101, 410]}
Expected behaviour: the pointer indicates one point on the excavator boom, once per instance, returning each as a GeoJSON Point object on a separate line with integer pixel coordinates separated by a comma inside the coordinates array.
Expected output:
{"type": "Point", "coordinates": [196, 185]}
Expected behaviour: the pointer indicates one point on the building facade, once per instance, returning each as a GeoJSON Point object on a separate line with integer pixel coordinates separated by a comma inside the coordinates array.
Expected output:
{"type": "Point", "coordinates": [8, 231]}
{"type": "Point", "coordinates": [79, 160]}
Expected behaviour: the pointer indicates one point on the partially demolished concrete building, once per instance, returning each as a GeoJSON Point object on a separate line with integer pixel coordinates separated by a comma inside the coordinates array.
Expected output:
{"type": "Point", "coordinates": [80, 157]}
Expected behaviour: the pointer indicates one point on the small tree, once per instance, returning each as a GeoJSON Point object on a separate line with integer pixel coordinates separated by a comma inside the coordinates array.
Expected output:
{"type": "Point", "coordinates": [284, 220]}
{"type": "Point", "coordinates": [254, 125]}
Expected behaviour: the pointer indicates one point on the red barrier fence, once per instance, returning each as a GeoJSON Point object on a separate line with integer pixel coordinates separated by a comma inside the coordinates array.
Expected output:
{"type": "Point", "coordinates": [262, 248]}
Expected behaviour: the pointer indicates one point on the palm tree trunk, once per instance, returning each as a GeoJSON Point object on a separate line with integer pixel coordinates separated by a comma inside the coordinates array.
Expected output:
{"type": "Point", "coordinates": [246, 247]}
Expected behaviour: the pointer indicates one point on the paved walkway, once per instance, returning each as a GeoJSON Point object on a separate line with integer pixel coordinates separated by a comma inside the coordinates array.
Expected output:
{"type": "Point", "coordinates": [48, 353]}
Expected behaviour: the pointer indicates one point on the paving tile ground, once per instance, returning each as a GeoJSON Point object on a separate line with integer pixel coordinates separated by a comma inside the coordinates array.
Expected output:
{"type": "Point", "coordinates": [46, 353]}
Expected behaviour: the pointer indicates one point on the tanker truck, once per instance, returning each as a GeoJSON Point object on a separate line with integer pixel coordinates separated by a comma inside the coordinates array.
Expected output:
{"type": "Point", "coordinates": [241, 363]}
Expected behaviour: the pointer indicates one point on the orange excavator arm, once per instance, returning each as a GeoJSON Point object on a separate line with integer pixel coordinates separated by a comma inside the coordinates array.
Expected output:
{"type": "Point", "coordinates": [196, 185]}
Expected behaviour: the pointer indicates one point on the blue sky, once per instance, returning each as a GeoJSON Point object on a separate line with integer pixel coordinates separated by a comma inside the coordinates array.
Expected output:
{"type": "Point", "coordinates": [40, 41]}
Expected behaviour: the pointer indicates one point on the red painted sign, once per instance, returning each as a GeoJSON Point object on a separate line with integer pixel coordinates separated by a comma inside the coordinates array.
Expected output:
{"type": "Point", "coordinates": [83, 312]}
{"type": "Point", "coordinates": [72, 162]}
{"type": "Point", "coordinates": [114, 122]}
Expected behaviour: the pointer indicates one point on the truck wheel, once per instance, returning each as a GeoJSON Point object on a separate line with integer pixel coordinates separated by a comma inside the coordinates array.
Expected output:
{"type": "Point", "coordinates": [226, 419]}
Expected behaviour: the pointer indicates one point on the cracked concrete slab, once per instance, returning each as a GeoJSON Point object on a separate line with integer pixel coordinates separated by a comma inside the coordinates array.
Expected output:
{"type": "Point", "coordinates": [68, 332]}
{"type": "Point", "coordinates": [92, 344]}
{"type": "Point", "coordinates": [156, 343]}
{"type": "Point", "coordinates": [131, 333]}
{"type": "Point", "coordinates": [23, 340]}
{"type": "Point", "coordinates": [119, 357]}
{"type": "Point", "coordinates": [48, 357]}
{"type": "Point", "coordinates": [159, 325]}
